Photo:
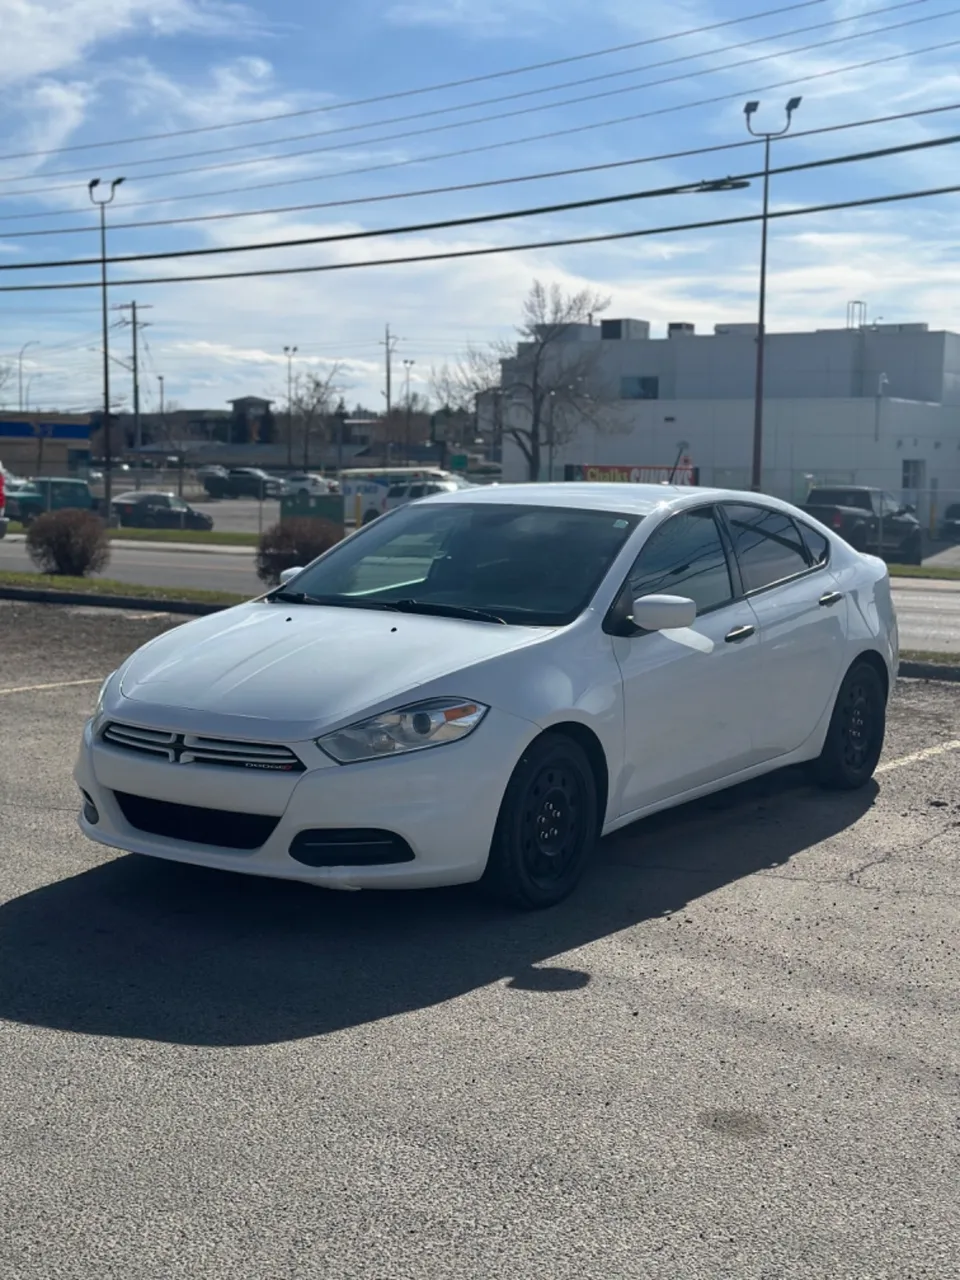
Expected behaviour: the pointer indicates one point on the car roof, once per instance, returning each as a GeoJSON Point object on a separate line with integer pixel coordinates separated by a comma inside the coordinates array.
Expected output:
{"type": "Point", "coordinates": [636, 499]}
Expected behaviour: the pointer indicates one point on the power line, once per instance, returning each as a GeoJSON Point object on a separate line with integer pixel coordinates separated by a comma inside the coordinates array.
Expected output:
{"type": "Point", "coordinates": [487, 251]}
{"type": "Point", "coordinates": [485, 218]}
{"type": "Point", "coordinates": [542, 137]}
{"type": "Point", "coordinates": [470, 186]}
{"type": "Point", "coordinates": [511, 97]}
{"type": "Point", "coordinates": [502, 115]}
{"type": "Point", "coordinates": [409, 93]}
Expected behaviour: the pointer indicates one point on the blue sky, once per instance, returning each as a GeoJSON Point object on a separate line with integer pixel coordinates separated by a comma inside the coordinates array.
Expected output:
{"type": "Point", "coordinates": [101, 71]}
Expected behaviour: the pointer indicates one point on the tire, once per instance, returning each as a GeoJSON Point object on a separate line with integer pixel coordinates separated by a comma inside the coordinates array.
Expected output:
{"type": "Point", "coordinates": [912, 552]}
{"type": "Point", "coordinates": [855, 738]}
{"type": "Point", "coordinates": [533, 863]}
{"type": "Point", "coordinates": [371, 516]}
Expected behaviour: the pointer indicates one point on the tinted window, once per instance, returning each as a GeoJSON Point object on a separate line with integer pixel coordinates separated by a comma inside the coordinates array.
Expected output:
{"type": "Point", "coordinates": [818, 548]}
{"type": "Point", "coordinates": [684, 557]}
{"type": "Point", "coordinates": [536, 566]}
{"type": "Point", "coordinates": [416, 490]}
{"type": "Point", "coordinates": [768, 546]}
{"type": "Point", "coordinates": [859, 498]}
{"type": "Point", "coordinates": [397, 491]}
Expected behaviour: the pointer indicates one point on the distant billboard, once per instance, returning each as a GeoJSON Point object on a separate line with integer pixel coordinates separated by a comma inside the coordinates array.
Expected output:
{"type": "Point", "coordinates": [609, 473]}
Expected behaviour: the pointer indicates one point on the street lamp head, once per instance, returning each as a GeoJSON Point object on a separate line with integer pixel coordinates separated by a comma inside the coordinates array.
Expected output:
{"type": "Point", "coordinates": [116, 183]}
{"type": "Point", "coordinates": [792, 105]}
{"type": "Point", "coordinates": [750, 108]}
{"type": "Point", "coordinates": [94, 182]}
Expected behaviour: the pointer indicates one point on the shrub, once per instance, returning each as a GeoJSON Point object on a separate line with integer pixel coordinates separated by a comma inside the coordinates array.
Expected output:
{"type": "Point", "coordinates": [69, 543]}
{"type": "Point", "coordinates": [293, 543]}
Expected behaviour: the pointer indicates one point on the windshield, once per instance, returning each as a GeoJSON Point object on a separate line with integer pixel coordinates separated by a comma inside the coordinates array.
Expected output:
{"type": "Point", "coordinates": [529, 566]}
{"type": "Point", "coordinates": [859, 498]}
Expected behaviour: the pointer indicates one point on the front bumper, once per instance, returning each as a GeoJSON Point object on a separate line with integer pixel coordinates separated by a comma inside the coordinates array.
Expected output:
{"type": "Point", "coordinates": [443, 802]}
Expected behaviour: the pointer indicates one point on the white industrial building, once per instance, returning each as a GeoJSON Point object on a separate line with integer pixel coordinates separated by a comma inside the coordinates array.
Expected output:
{"type": "Point", "coordinates": [876, 405]}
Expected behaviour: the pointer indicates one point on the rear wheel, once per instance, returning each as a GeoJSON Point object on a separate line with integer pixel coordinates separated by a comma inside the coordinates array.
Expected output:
{"type": "Point", "coordinates": [912, 552]}
{"type": "Point", "coordinates": [855, 738]}
{"type": "Point", "coordinates": [547, 828]}
{"type": "Point", "coordinates": [370, 517]}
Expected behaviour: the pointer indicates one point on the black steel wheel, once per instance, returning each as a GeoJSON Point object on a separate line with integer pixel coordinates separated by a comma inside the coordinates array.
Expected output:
{"type": "Point", "coordinates": [854, 740]}
{"type": "Point", "coordinates": [548, 825]}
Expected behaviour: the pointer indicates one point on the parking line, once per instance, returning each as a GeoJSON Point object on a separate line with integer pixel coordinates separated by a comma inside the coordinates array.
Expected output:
{"type": "Point", "coordinates": [915, 757]}
{"type": "Point", "coordinates": [39, 688]}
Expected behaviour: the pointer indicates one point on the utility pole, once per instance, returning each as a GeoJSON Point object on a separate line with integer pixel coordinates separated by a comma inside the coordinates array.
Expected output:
{"type": "Point", "coordinates": [34, 342]}
{"type": "Point", "coordinates": [408, 365]}
{"type": "Point", "coordinates": [135, 326]}
{"type": "Point", "coordinates": [390, 345]}
{"type": "Point", "coordinates": [107, 449]}
{"type": "Point", "coordinates": [163, 417]}
{"type": "Point", "coordinates": [290, 352]}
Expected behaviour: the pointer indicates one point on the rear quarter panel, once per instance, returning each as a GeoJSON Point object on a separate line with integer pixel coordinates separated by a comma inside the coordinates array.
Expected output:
{"type": "Point", "coordinates": [871, 616]}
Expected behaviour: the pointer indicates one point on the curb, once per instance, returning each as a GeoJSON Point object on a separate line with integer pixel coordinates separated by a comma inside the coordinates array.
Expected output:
{"type": "Point", "coordinates": [928, 671]}
{"type": "Point", "coordinates": [38, 595]}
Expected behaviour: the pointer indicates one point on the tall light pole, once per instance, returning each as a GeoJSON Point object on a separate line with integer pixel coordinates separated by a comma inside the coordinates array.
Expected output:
{"type": "Point", "coordinates": [290, 352]}
{"type": "Point", "coordinates": [107, 450]}
{"type": "Point", "coordinates": [34, 342]}
{"type": "Point", "coordinates": [408, 365]}
{"type": "Point", "coordinates": [756, 469]}
{"type": "Point", "coordinates": [162, 414]}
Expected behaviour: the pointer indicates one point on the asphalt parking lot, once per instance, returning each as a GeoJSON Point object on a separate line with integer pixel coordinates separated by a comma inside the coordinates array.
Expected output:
{"type": "Point", "coordinates": [734, 1054]}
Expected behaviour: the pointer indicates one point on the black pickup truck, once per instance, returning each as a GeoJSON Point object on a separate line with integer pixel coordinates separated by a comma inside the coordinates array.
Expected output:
{"type": "Point", "coordinates": [870, 520]}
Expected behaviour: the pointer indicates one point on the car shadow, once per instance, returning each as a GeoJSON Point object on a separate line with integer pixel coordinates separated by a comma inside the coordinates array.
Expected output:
{"type": "Point", "coordinates": [146, 949]}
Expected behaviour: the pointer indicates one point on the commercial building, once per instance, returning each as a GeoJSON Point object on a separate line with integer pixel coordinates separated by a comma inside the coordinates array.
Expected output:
{"type": "Point", "coordinates": [45, 443]}
{"type": "Point", "coordinates": [867, 404]}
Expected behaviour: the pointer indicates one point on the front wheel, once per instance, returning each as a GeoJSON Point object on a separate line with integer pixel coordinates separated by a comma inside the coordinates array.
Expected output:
{"type": "Point", "coordinates": [547, 828]}
{"type": "Point", "coordinates": [912, 551]}
{"type": "Point", "coordinates": [857, 727]}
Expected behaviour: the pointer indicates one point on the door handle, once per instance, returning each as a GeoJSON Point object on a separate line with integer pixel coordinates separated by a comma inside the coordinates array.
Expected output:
{"type": "Point", "coordinates": [830, 599]}
{"type": "Point", "coordinates": [738, 634]}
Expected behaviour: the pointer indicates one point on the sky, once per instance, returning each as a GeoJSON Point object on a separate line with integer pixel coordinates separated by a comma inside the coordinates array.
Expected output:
{"type": "Point", "coordinates": [211, 109]}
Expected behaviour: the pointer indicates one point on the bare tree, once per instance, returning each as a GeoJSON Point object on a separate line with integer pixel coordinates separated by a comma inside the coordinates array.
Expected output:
{"type": "Point", "coordinates": [537, 392]}
{"type": "Point", "coordinates": [6, 376]}
{"type": "Point", "coordinates": [314, 403]}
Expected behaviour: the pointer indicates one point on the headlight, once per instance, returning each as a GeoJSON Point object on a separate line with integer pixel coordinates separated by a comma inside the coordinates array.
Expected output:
{"type": "Point", "coordinates": [425, 724]}
{"type": "Point", "coordinates": [98, 709]}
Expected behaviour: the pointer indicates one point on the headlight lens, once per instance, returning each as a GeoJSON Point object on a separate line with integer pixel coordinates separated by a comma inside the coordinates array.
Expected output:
{"type": "Point", "coordinates": [414, 728]}
{"type": "Point", "coordinates": [98, 709]}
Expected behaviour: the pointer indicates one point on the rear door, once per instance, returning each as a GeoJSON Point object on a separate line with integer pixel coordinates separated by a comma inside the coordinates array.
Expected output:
{"type": "Point", "coordinates": [802, 618]}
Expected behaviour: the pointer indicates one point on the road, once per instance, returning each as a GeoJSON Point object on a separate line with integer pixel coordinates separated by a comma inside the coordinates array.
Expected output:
{"type": "Point", "coordinates": [734, 1053]}
{"type": "Point", "coordinates": [929, 611]}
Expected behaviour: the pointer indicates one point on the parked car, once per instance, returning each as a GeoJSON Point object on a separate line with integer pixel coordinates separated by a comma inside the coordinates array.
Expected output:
{"type": "Point", "coordinates": [950, 525]}
{"type": "Point", "coordinates": [527, 666]}
{"type": "Point", "coordinates": [870, 520]}
{"type": "Point", "coordinates": [243, 482]}
{"type": "Point", "coordinates": [16, 486]}
{"type": "Point", "coordinates": [151, 510]}
{"type": "Point", "coordinates": [398, 495]}
{"type": "Point", "coordinates": [4, 482]}
{"type": "Point", "coordinates": [305, 482]}
{"type": "Point", "coordinates": [55, 493]}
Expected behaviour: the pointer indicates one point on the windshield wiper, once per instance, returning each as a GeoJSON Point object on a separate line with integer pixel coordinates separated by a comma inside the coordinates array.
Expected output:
{"type": "Point", "coordinates": [445, 611]}
{"type": "Point", "coordinates": [338, 602]}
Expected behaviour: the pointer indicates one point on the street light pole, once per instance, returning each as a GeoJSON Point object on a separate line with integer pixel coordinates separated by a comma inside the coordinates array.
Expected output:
{"type": "Point", "coordinates": [290, 352]}
{"type": "Point", "coordinates": [756, 468]}
{"type": "Point", "coordinates": [107, 450]}
{"type": "Point", "coordinates": [34, 342]}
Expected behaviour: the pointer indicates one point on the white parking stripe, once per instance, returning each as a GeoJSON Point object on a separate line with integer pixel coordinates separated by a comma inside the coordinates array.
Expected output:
{"type": "Point", "coordinates": [915, 757]}
{"type": "Point", "coordinates": [39, 688]}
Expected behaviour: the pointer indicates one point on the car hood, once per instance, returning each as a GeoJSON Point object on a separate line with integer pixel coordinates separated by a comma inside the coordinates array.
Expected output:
{"type": "Point", "coordinates": [303, 668]}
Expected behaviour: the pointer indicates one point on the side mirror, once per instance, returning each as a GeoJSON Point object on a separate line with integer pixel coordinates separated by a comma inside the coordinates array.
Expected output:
{"type": "Point", "coordinates": [287, 574]}
{"type": "Point", "coordinates": [663, 613]}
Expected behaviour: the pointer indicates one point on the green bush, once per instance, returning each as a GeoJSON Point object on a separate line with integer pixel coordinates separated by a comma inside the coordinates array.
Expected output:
{"type": "Point", "coordinates": [69, 543]}
{"type": "Point", "coordinates": [294, 543]}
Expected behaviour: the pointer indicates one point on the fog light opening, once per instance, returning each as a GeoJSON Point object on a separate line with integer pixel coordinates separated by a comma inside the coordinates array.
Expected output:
{"type": "Point", "coordinates": [90, 812]}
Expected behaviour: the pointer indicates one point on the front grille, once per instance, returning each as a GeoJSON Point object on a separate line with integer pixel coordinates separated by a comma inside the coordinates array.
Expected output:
{"type": "Point", "coordinates": [188, 748]}
{"type": "Point", "coordinates": [351, 847]}
{"type": "Point", "coordinates": [193, 825]}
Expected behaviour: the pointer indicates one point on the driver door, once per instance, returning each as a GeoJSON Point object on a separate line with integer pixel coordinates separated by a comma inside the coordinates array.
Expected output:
{"type": "Point", "coordinates": [690, 695]}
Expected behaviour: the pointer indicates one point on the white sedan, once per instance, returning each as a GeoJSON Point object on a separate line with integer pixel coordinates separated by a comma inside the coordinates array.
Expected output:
{"type": "Point", "coordinates": [478, 686]}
